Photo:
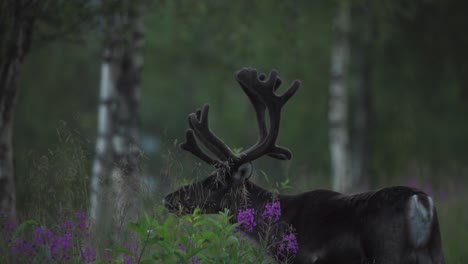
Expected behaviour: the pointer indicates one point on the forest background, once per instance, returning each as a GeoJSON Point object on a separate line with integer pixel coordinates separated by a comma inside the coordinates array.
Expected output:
{"type": "Point", "coordinates": [417, 98]}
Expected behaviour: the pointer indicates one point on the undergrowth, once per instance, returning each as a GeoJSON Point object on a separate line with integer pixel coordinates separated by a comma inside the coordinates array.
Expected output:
{"type": "Point", "coordinates": [161, 238]}
{"type": "Point", "coordinates": [53, 199]}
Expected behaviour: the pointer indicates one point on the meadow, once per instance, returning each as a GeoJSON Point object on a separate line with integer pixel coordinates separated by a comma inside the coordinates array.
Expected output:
{"type": "Point", "coordinates": [57, 228]}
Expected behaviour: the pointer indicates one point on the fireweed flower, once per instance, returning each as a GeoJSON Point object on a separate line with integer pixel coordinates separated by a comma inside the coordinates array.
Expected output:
{"type": "Point", "coordinates": [88, 255]}
{"type": "Point", "coordinates": [246, 219]}
{"type": "Point", "coordinates": [195, 260]}
{"type": "Point", "coordinates": [272, 212]}
{"type": "Point", "coordinates": [10, 225]}
{"type": "Point", "coordinates": [289, 244]}
{"type": "Point", "coordinates": [182, 247]}
{"type": "Point", "coordinates": [67, 226]}
{"type": "Point", "coordinates": [192, 260]}
{"type": "Point", "coordinates": [64, 242]}
{"type": "Point", "coordinates": [133, 247]}
{"type": "Point", "coordinates": [82, 220]}
{"type": "Point", "coordinates": [80, 215]}
{"type": "Point", "coordinates": [16, 246]}
{"type": "Point", "coordinates": [70, 241]}
{"type": "Point", "coordinates": [39, 236]}
{"type": "Point", "coordinates": [107, 257]}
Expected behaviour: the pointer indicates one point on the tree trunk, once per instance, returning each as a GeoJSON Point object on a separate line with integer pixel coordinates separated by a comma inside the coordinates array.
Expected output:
{"type": "Point", "coordinates": [338, 101]}
{"type": "Point", "coordinates": [362, 56]}
{"type": "Point", "coordinates": [16, 24]}
{"type": "Point", "coordinates": [116, 171]}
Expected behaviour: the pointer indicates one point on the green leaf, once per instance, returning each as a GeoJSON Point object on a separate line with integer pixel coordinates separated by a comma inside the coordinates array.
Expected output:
{"type": "Point", "coordinates": [237, 150]}
{"type": "Point", "coordinates": [232, 240]}
{"type": "Point", "coordinates": [22, 226]}
{"type": "Point", "coordinates": [155, 240]}
{"type": "Point", "coordinates": [180, 256]}
{"type": "Point", "coordinates": [124, 251]}
{"type": "Point", "coordinates": [193, 252]}
{"type": "Point", "coordinates": [146, 261]}
{"type": "Point", "coordinates": [208, 235]}
{"type": "Point", "coordinates": [137, 229]}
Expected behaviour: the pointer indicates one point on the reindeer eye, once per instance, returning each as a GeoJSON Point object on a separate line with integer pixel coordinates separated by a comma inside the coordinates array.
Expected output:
{"type": "Point", "coordinates": [245, 170]}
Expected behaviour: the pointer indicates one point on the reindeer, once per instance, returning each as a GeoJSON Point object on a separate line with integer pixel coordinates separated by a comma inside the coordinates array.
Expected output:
{"type": "Point", "coordinates": [387, 226]}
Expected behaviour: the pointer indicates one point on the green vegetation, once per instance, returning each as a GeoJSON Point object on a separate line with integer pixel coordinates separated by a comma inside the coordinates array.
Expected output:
{"type": "Point", "coordinates": [162, 238]}
{"type": "Point", "coordinates": [158, 236]}
{"type": "Point", "coordinates": [419, 129]}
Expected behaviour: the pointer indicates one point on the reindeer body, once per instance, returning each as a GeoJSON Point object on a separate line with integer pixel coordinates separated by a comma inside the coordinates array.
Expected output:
{"type": "Point", "coordinates": [396, 225]}
{"type": "Point", "coordinates": [372, 227]}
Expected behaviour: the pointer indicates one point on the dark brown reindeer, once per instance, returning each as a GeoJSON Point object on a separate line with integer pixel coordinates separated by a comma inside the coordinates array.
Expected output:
{"type": "Point", "coordinates": [391, 225]}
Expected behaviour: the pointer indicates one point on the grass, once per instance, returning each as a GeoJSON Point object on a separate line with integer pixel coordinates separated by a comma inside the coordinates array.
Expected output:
{"type": "Point", "coordinates": [160, 238]}
{"type": "Point", "coordinates": [55, 186]}
{"type": "Point", "coordinates": [453, 217]}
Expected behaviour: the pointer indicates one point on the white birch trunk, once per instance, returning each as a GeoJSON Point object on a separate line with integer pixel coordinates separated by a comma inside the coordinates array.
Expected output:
{"type": "Point", "coordinates": [338, 101]}
{"type": "Point", "coordinates": [116, 171]}
{"type": "Point", "coordinates": [100, 171]}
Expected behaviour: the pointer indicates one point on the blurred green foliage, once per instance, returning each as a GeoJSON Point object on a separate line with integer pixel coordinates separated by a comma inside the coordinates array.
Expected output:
{"type": "Point", "coordinates": [193, 238]}
{"type": "Point", "coordinates": [192, 49]}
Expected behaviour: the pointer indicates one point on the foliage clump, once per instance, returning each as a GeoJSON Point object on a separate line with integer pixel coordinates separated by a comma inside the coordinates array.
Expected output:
{"type": "Point", "coordinates": [161, 238]}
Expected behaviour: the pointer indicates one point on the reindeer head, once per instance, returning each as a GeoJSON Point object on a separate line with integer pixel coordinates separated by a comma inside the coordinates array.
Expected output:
{"type": "Point", "coordinates": [226, 186]}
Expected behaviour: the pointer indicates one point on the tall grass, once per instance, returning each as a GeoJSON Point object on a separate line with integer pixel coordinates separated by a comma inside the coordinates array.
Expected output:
{"type": "Point", "coordinates": [54, 186]}
{"type": "Point", "coordinates": [453, 217]}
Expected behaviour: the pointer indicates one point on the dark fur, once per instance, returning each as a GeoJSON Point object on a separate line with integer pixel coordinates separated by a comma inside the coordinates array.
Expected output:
{"type": "Point", "coordinates": [374, 227]}
{"type": "Point", "coordinates": [331, 227]}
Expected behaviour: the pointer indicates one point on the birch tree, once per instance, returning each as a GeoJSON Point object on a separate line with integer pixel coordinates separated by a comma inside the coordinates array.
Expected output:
{"type": "Point", "coordinates": [115, 175]}
{"type": "Point", "coordinates": [16, 29]}
{"type": "Point", "coordinates": [349, 127]}
{"type": "Point", "coordinates": [338, 100]}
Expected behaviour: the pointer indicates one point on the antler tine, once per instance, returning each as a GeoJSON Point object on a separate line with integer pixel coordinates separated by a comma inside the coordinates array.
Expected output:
{"type": "Point", "coordinates": [191, 146]}
{"type": "Point", "coordinates": [198, 117]}
{"type": "Point", "coordinates": [259, 108]}
{"type": "Point", "coordinates": [199, 124]}
{"type": "Point", "coordinates": [263, 90]}
{"type": "Point", "coordinates": [262, 77]}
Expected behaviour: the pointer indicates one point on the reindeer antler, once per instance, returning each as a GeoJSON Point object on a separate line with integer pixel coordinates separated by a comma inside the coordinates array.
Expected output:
{"type": "Point", "coordinates": [200, 130]}
{"type": "Point", "coordinates": [261, 92]}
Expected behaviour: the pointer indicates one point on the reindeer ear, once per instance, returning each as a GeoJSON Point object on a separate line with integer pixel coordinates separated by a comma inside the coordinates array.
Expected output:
{"type": "Point", "coordinates": [243, 173]}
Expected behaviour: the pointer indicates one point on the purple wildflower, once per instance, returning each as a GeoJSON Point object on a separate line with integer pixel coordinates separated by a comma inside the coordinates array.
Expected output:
{"type": "Point", "coordinates": [133, 247]}
{"type": "Point", "coordinates": [39, 236]}
{"type": "Point", "coordinates": [49, 235]}
{"type": "Point", "coordinates": [67, 226]}
{"type": "Point", "coordinates": [272, 212]}
{"type": "Point", "coordinates": [17, 246]}
{"type": "Point", "coordinates": [22, 247]}
{"type": "Point", "coordinates": [289, 243]}
{"type": "Point", "coordinates": [107, 257]}
{"type": "Point", "coordinates": [80, 215]}
{"type": "Point", "coordinates": [128, 259]}
{"type": "Point", "coordinates": [82, 220]}
{"type": "Point", "coordinates": [65, 242]}
{"type": "Point", "coordinates": [182, 247]}
{"type": "Point", "coordinates": [11, 225]}
{"type": "Point", "coordinates": [89, 255]}
{"type": "Point", "coordinates": [195, 260]}
{"type": "Point", "coordinates": [247, 219]}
